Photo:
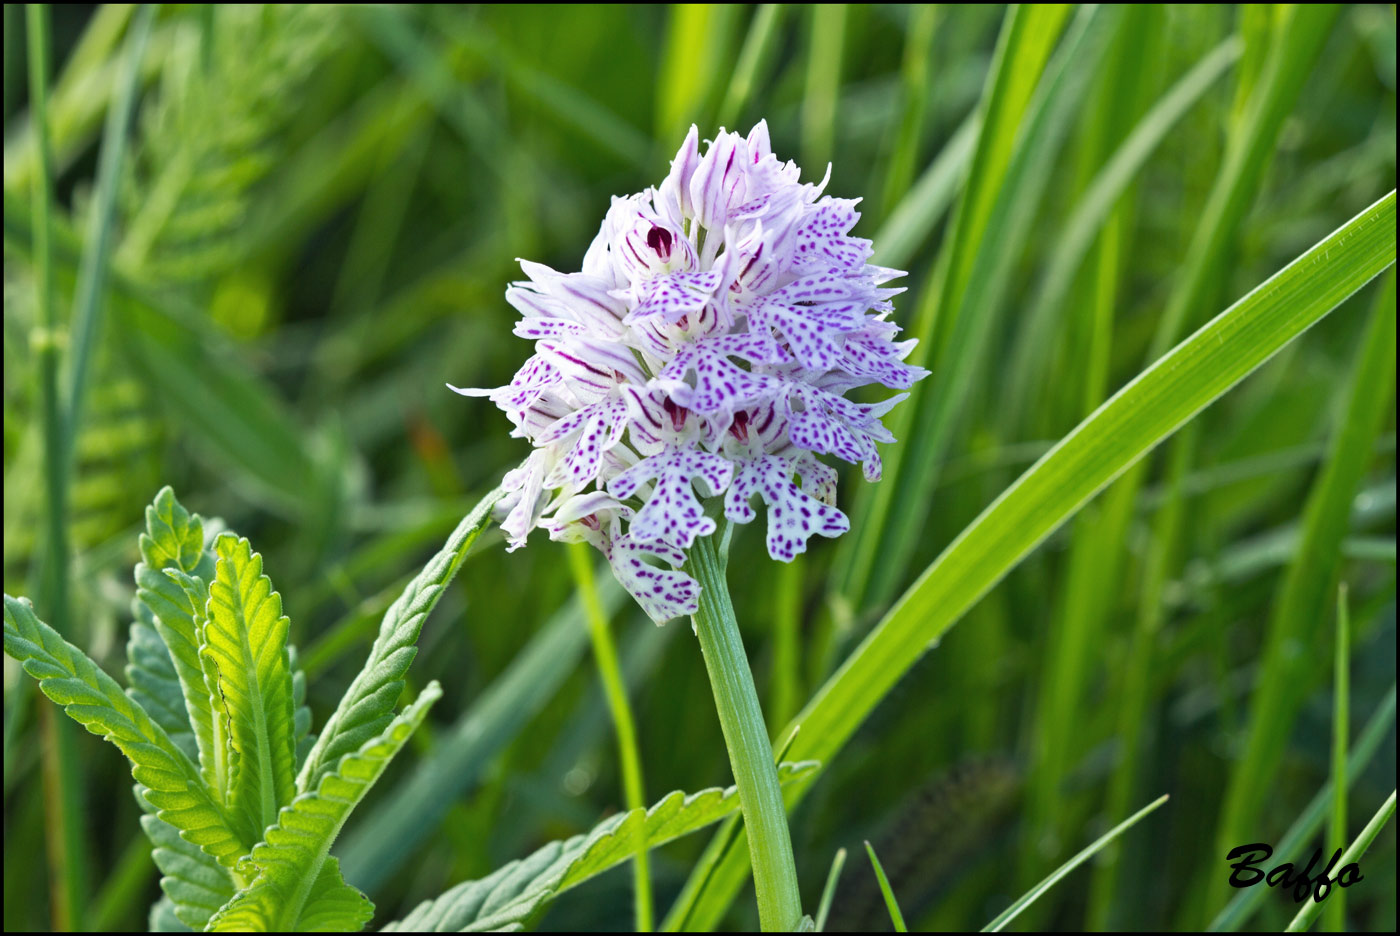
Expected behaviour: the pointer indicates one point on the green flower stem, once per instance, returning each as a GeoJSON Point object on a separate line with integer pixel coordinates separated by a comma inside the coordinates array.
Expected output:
{"type": "Point", "coordinates": [746, 737]}
{"type": "Point", "coordinates": [605, 653]}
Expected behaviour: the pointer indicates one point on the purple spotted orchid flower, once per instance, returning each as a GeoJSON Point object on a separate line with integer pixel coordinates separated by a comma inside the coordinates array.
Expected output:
{"type": "Point", "coordinates": [705, 349]}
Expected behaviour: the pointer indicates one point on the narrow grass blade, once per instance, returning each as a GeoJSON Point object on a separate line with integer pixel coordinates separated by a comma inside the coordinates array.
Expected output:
{"type": "Point", "coordinates": [1341, 734]}
{"type": "Point", "coordinates": [1378, 727]}
{"type": "Point", "coordinates": [1302, 598]}
{"type": "Point", "coordinates": [829, 891]}
{"type": "Point", "coordinates": [896, 916]}
{"type": "Point", "coordinates": [1117, 435]}
{"type": "Point", "coordinates": [696, 56]}
{"type": "Point", "coordinates": [1027, 39]}
{"type": "Point", "coordinates": [754, 57]}
{"type": "Point", "coordinates": [910, 222]}
{"type": "Point", "coordinates": [918, 50]}
{"type": "Point", "coordinates": [1312, 908]}
{"type": "Point", "coordinates": [1093, 210]}
{"type": "Point", "coordinates": [1013, 911]}
{"type": "Point", "coordinates": [610, 674]}
{"type": "Point", "coordinates": [63, 800]}
{"type": "Point", "coordinates": [90, 296]}
{"type": "Point", "coordinates": [824, 50]}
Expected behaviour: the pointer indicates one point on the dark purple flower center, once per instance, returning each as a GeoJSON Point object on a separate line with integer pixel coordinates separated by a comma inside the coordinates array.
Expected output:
{"type": "Point", "coordinates": [659, 240]}
{"type": "Point", "coordinates": [677, 414]}
{"type": "Point", "coordinates": [739, 428]}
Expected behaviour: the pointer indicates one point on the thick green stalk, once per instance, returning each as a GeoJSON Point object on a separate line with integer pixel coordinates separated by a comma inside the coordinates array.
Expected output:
{"type": "Point", "coordinates": [605, 653]}
{"type": "Point", "coordinates": [746, 736]}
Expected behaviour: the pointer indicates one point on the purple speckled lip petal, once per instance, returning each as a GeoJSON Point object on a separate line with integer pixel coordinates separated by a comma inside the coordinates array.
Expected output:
{"type": "Point", "coordinates": [705, 351]}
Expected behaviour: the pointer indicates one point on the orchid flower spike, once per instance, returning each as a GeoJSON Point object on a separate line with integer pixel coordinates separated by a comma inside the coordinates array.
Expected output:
{"type": "Point", "coordinates": [704, 350]}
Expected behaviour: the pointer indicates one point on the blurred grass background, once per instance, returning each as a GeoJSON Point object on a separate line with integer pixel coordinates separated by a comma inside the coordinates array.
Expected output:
{"type": "Point", "coordinates": [311, 232]}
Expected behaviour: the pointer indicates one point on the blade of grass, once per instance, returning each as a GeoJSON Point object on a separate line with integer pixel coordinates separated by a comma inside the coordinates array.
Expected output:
{"type": "Point", "coordinates": [824, 51]}
{"type": "Point", "coordinates": [896, 917]}
{"type": "Point", "coordinates": [1135, 687]}
{"type": "Point", "coordinates": [908, 225]}
{"type": "Point", "coordinates": [1301, 601]}
{"type": "Point", "coordinates": [1090, 214]}
{"type": "Point", "coordinates": [914, 75]}
{"type": "Point", "coordinates": [610, 674]}
{"type": "Point", "coordinates": [829, 890]}
{"type": "Point", "coordinates": [785, 682]}
{"type": "Point", "coordinates": [63, 806]}
{"type": "Point", "coordinates": [964, 338]}
{"type": "Point", "coordinates": [1378, 727]}
{"type": "Point", "coordinates": [1027, 37]}
{"type": "Point", "coordinates": [1013, 911]}
{"type": "Point", "coordinates": [698, 39]}
{"type": "Point", "coordinates": [1311, 908]}
{"type": "Point", "coordinates": [757, 52]}
{"type": "Point", "coordinates": [1138, 417]}
{"type": "Point", "coordinates": [90, 295]}
{"type": "Point", "coordinates": [1341, 734]}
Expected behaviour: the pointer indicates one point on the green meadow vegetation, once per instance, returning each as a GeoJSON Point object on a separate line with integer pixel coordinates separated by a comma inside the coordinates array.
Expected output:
{"type": "Point", "coordinates": [1151, 476]}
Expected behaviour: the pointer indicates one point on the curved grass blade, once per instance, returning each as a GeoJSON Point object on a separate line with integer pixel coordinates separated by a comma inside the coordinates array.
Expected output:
{"type": "Point", "coordinates": [515, 894]}
{"type": "Point", "coordinates": [298, 887]}
{"type": "Point", "coordinates": [368, 705]}
{"type": "Point", "coordinates": [1311, 908]}
{"type": "Point", "coordinates": [896, 916]}
{"type": "Point", "coordinates": [94, 700]}
{"type": "Point", "coordinates": [1112, 439]}
{"type": "Point", "coordinates": [1030, 897]}
{"type": "Point", "coordinates": [829, 891]}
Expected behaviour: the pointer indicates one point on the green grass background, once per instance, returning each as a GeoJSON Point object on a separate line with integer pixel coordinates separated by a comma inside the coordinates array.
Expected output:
{"type": "Point", "coordinates": [315, 220]}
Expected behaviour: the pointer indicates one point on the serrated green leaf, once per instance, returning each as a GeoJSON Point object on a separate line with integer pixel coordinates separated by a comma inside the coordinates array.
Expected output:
{"type": "Point", "coordinates": [152, 683]}
{"type": "Point", "coordinates": [245, 643]}
{"type": "Point", "coordinates": [163, 919]}
{"type": "Point", "coordinates": [194, 884]}
{"type": "Point", "coordinates": [297, 887]}
{"type": "Point", "coordinates": [511, 896]}
{"type": "Point", "coordinates": [174, 537]}
{"type": "Point", "coordinates": [93, 699]}
{"type": "Point", "coordinates": [301, 719]}
{"type": "Point", "coordinates": [174, 542]}
{"type": "Point", "coordinates": [368, 705]}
